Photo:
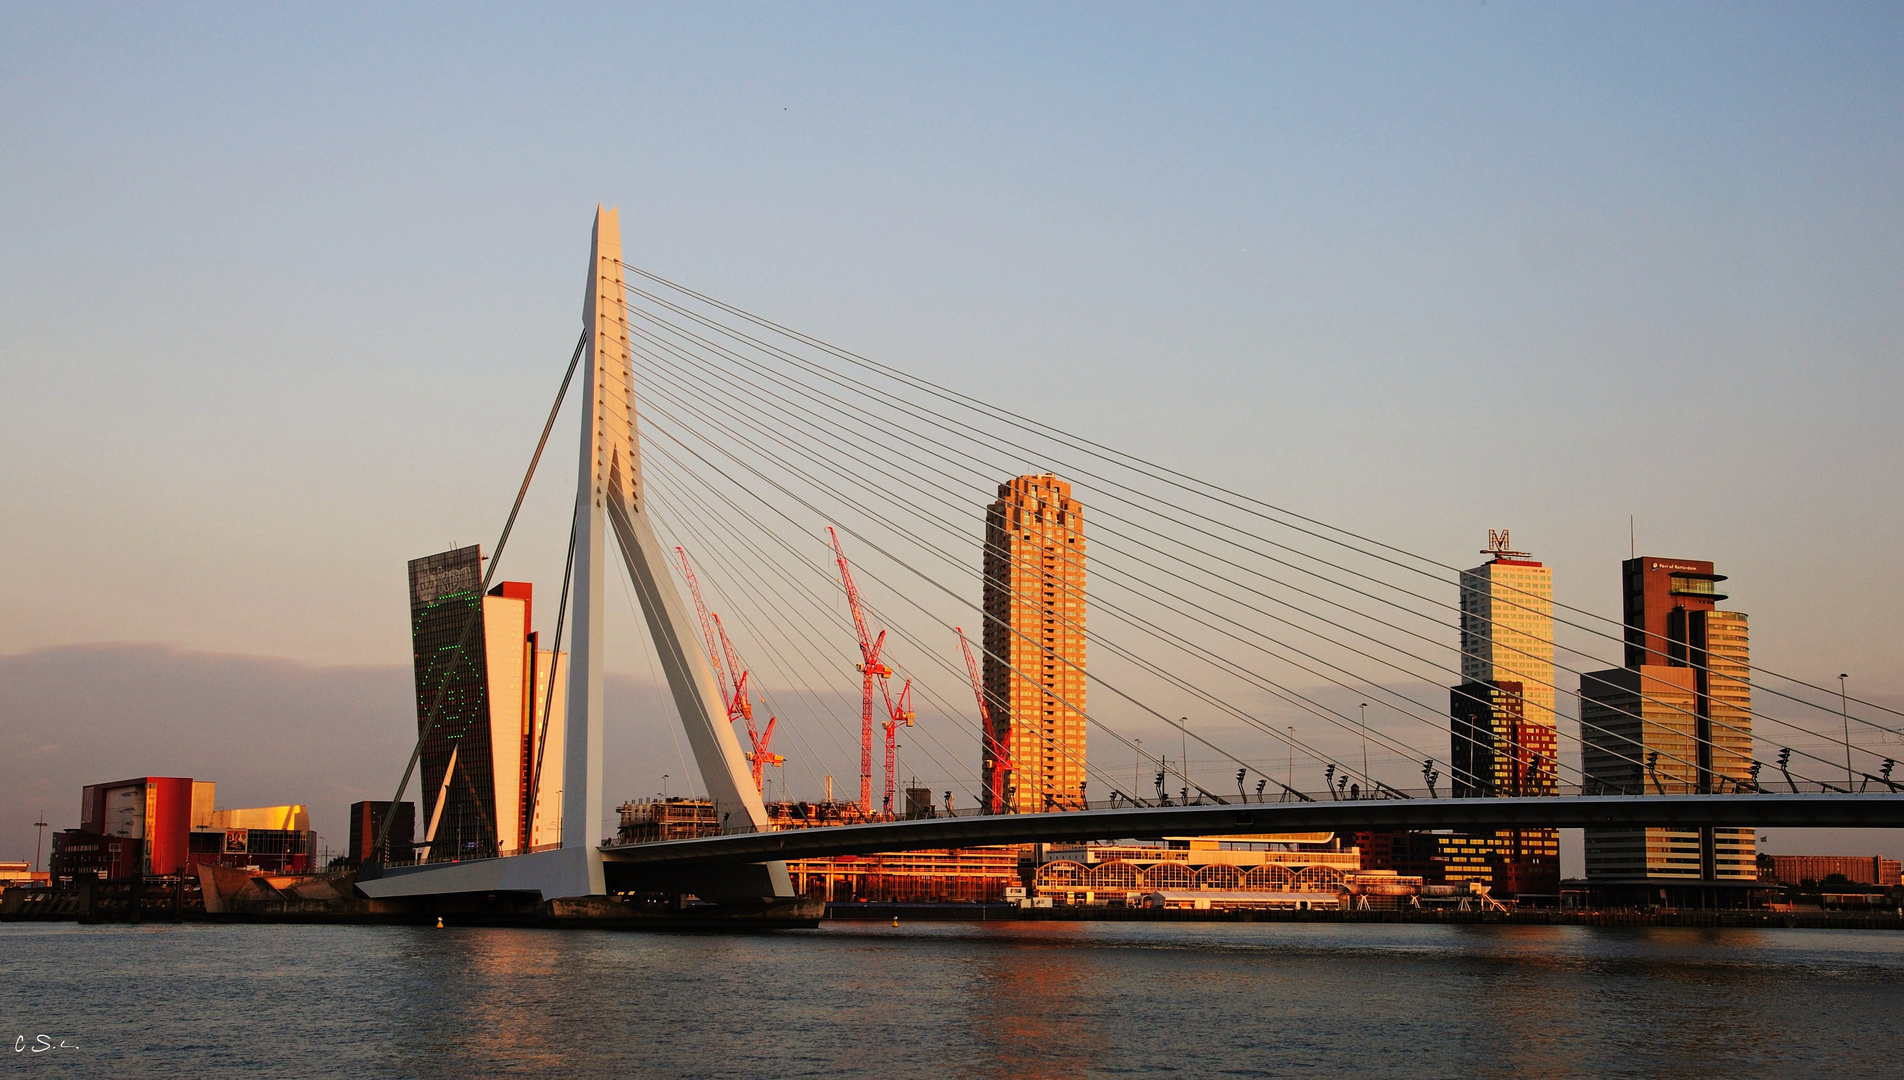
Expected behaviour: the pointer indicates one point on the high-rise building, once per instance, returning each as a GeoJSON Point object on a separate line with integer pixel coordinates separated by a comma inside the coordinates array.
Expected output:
{"type": "Point", "coordinates": [479, 762]}
{"type": "Point", "coordinates": [1502, 739]}
{"type": "Point", "coordinates": [1507, 626]}
{"type": "Point", "coordinates": [1677, 719]}
{"type": "Point", "coordinates": [1034, 643]}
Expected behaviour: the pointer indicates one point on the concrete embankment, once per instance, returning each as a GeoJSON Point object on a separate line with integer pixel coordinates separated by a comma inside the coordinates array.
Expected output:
{"type": "Point", "coordinates": [222, 894]}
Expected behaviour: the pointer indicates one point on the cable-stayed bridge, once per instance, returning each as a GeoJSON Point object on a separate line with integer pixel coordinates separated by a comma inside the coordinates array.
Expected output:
{"type": "Point", "coordinates": [711, 430]}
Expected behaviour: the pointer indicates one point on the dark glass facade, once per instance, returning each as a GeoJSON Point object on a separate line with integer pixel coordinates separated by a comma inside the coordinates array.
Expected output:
{"type": "Point", "coordinates": [1495, 749]}
{"type": "Point", "coordinates": [446, 628]}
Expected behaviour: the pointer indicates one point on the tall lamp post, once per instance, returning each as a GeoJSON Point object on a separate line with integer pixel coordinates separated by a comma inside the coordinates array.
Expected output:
{"type": "Point", "coordinates": [1184, 727]}
{"type": "Point", "coordinates": [39, 840]}
{"type": "Point", "coordinates": [1137, 767]}
{"type": "Point", "coordinates": [1365, 775]}
{"type": "Point", "coordinates": [1844, 711]}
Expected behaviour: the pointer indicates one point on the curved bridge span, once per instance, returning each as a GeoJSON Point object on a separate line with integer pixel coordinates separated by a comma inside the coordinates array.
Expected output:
{"type": "Point", "coordinates": [1687, 811]}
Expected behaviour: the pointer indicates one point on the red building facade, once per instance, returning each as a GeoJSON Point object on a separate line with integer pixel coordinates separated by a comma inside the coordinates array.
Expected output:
{"type": "Point", "coordinates": [137, 826]}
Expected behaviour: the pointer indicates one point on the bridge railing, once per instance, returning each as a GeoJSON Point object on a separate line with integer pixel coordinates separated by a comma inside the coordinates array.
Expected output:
{"type": "Point", "coordinates": [821, 815]}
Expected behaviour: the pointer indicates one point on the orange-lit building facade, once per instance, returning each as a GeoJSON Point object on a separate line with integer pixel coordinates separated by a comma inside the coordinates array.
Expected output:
{"type": "Point", "coordinates": [944, 875]}
{"type": "Point", "coordinates": [947, 875]}
{"type": "Point", "coordinates": [1035, 643]}
{"type": "Point", "coordinates": [1815, 869]}
{"type": "Point", "coordinates": [128, 828]}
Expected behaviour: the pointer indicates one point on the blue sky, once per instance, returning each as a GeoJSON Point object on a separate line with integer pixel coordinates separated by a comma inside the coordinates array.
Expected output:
{"type": "Point", "coordinates": [282, 289]}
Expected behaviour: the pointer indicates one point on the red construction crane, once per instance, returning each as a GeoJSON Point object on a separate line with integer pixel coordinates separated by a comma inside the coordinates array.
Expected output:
{"type": "Point", "coordinates": [759, 756]}
{"type": "Point", "coordinates": [732, 678]}
{"type": "Point", "coordinates": [870, 669]}
{"type": "Point", "coordinates": [896, 714]}
{"type": "Point", "coordinates": [997, 760]}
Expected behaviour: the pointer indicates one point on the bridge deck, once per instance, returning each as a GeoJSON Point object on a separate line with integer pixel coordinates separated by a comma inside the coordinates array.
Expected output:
{"type": "Point", "coordinates": [1743, 811]}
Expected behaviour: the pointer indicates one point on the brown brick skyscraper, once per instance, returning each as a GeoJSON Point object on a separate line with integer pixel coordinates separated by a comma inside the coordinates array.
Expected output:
{"type": "Point", "coordinates": [1034, 641]}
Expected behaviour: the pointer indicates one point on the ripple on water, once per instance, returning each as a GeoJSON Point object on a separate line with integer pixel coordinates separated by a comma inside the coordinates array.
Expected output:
{"type": "Point", "coordinates": [957, 999]}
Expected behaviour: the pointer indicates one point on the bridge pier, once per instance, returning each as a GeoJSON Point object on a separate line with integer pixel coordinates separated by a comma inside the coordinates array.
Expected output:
{"type": "Point", "coordinates": [575, 886]}
{"type": "Point", "coordinates": [720, 883]}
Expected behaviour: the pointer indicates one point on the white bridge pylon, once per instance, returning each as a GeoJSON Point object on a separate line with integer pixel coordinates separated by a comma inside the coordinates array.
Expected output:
{"type": "Point", "coordinates": [609, 492]}
{"type": "Point", "coordinates": [609, 499]}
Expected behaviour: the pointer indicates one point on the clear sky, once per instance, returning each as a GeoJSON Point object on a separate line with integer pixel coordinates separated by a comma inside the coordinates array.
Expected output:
{"type": "Point", "coordinates": [282, 288]}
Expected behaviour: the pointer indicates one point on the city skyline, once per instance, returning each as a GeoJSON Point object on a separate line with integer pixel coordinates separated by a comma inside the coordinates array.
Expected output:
{"type": "Point", "coordinates": [1738, 712]}
{"type": "Point", "coordinates": [999, 552]}
{"type": "Point", "coordinates": [1385, 473]}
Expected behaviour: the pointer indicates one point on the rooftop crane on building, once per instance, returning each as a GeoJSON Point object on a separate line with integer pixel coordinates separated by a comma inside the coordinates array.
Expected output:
{"type": "Point", "coordinates": [732, 678]}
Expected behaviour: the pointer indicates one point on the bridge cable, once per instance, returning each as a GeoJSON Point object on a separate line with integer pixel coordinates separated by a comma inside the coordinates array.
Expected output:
{"type": "Point", "coordinates": [1138, 465]}
{"type": "Point", "coordinates": [1376, 640]}
{"type": "Point", "coordinates": [897, 627]}
{"type": "Point", "coordinates": [1383, 644]}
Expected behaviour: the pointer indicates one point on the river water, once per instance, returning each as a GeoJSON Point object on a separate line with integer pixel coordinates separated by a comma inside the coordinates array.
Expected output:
{"type": "Point", "coordinates": [952, 1000]}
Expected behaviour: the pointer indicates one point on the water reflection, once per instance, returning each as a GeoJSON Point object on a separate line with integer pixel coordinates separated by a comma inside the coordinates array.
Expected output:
{"type": "Point", "coordinates": [472, 967]}
{"type": "Point", "coordinates": [1066, 1000]}
{"type": "Point", "coordinates": [1030, 1009]}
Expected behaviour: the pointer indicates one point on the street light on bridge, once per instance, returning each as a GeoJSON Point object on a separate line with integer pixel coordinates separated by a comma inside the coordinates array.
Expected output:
{"type": "Point", "coordinates": [1365, 775]}
{"type": "Point", "coordinates": [1844, 711]}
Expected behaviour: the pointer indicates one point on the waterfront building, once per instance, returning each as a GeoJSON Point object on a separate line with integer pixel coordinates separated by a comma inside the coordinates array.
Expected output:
{"type": "Point", "coordinates": [21, 874]}
{"type": "Point", "coordinates": [479, 761]}
{"type": "Point", "coordinates": [132, 827]}
{"type": "Point", "coordinates": [1207, 872]}
{"type": "Point", "coordinates": [276, 839]}
{"type": "Point", "coordinates": [1405, 852]}
{"type": "Point", "coordinates": [165, 825]}
{"type": "Point", "coordinates": [1815, 869]}
{"type": "Point", "coordinates": [682, 817]}
{"type": "Point", "coordinates": [1034, 669]}
{"type": "Point", "coordinates": [1675, 720]}
{"type": "Point", "coordinates": [1464, 858]}
{"type": "Point", "coordinates": [1502, 735]}
{"type": "Point", "coordinates": [78, 851]}
{"type": "Point", "coordinates": [1507, 625]}
{"type": "Point", "coordinates": [937, 875]}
